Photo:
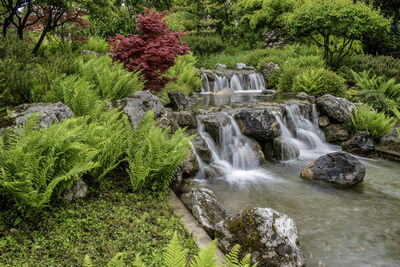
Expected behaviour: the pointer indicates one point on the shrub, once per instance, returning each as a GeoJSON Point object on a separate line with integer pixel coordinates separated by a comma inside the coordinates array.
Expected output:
{"type": "Point", "coordinates": [287, 78]}
{"type": "Point", "coordinates": [253, 57]}
{"type": "Point", "coordinates": [376, 91]}
{"type": "Point", "coordinates": [97, 45]}
{"type": "Point", "coordinates": [17, 65]}
{"type": "Point", "coordinates": [153, 50]}
{"type": "Point", "coordinates": [318, 82]}
{"type": "Point", "coordinates": [153, 156]}
{"type": "Point", "coordinates": [188, 79]}
{"type": "Point", "coordinates": [204, 44]}
{"type": "Point", "coordinates": [376, 123]}
{"type": "Point", "coordinates": [377, 65]}
{"type": "Point", "coordinates": [182, 21]}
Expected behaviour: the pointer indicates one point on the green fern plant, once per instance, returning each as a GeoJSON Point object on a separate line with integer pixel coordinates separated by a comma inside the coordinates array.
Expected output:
{"type": "Point", "coordinates": [117, 261]}
{"type": "Point", "coordinates": [377, 91]}
{"type": "Point", "coordinates": [376, 123]}
{"type": "Point", "coordinates": [153, 155]}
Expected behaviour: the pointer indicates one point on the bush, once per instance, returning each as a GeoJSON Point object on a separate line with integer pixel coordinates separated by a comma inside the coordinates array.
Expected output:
{"type": "Point", "coordinates": [287, 78]}
{"type": "Point", "coordinates": [153, 50]}
{"type": "Point", "coordinates": [153, 156]}
{"type": "Point", "coordinates": [318, 82]}
{"type": "Point", "coordinates": [181, 21]}
{"type": "Point", "coordinates": [97, 45]}
{"type": "Point", "coordinates": [17, 65]}
{"type": "Point", "coordinates": [377, 65]}
{"type": "Point", "coordinates": [188, 78]}
{"type": "Point", "coordinates": [376, 123]}
{"type": "Point", "coordinates": [204, 44]}
{"type": "Point", "coordinates": [376, 91]}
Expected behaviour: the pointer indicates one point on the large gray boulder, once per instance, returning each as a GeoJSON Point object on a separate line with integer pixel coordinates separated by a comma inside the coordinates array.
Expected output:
{"type": "Point", "coordinates": [138, 104]}
{"type": "Point", "coordinates": [270, 237]}
{"type": "Point", "coordinates": [336, 108]}
{"type": "Point", "coordinates": [340, 168]}
{"type": "Point", "coordinates": [178, 101]}
{"type": "Point", "coordinates": [336, 132]}
{"type": "Point", "coordinates": [258, 123]}
{"type": "Point", "coordinates": [213, 123]}
{"type": "Point", "coordinates": [48, 113]}
{"type": "Point", "coordinates": [360, 144]}
{"type": "Point", "coordinates": [391, 140]}
{"type": "Point", "coordinates": [77, 190]}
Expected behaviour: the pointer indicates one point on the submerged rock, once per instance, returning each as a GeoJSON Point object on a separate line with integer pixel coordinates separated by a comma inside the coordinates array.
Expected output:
{"type": "Point", "coordinates": [337, 108]}
{"type": "Point", "coordinates": [213, 123]}
{"type": "Point", "coordinates": [336, 132]}
{"type": "Point", "coordinates": [48, 113]}
{"type": "Point", "coordinates": [339, 168]}
{"type": "Point", "coordinates": [137, 105]}
{"type": "Point", "coordinates": [360, 144]}
{"type": "Point", "coordinates": [224, 92]}
{"type": "Point", "coordinates": [178, 101]}
{"type": "Point", "coordinates": [391, 140]}
{"type": "Point", "coordinates": [270, 237]}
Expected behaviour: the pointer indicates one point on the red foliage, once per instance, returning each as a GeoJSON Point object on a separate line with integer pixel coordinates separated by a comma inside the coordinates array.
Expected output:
{"type": "Point", "coordinates": [153, 50]}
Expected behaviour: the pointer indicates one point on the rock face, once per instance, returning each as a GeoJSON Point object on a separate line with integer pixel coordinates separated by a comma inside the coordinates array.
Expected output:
{"type": "Point", "coordinates": [360, 144]}
{"type": "Point", "coordinates": [336, 132]}
{"type": "Point", "coordinates": [178, 101]}
{"type": "Point", "coordinates": [48, 113]}
{"type": "Point", "coordinates": [206, 209]}
{"type": "Point", "coordinates": [213, 123]}
{"type": "Point", "coordinates": [186, 118]}
{"type": "Point", "coordinates": [270, 236]}
{"type": "Point", "coordinates": [137, 105]}
{"type": "Point", "coordinates": [77, 190]}
{"type": "Point", "coordinates": [339, 168]}
{"type": "Point", "coordinates": [337, 108]}
{"type": "Point", "coordinates": [202, 149]}
{"type": "Point", "coordinates": [282, 150]}
{"type": "Point", "coordinates": [257, 123]}
{"type": "Point", "coordinates": [391, 140]}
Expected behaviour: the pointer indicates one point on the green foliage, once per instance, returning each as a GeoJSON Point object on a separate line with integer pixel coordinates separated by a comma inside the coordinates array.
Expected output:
{"type": "Point", "coordinates": [344, 19]}
{"type": "Point", "coordinates": [181, 21]}
{"type": "Point", "coordinates": [17, 69]}
{"type": "Point", "coordinates": [376, 123]}
{"type": "Point", "coordinates": [318, 82]}
{"type": "Point", "coordinates": [287, 78]}
{"type": "Point", "coordinates": [174, 255]}
{"type": "Point", "coordinates": [97, 45]}
{"type": "Point", "coordinates": [187, 77]}
{"type": "Point", "coordinates": [153, 156]}
{"type": "Point", "coordinates": [204, 44]}
{"type": "Point", "coordinates": [232, 258]}
{"type": "Point", "coordinates": [376, 65]}
{"type": "Point", "coordinates": [36, 165]}
{"type": "Point", "coordinates": [378, 92]}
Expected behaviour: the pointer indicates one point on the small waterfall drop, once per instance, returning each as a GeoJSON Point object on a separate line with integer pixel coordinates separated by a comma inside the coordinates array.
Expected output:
{"type": "Point", "coordinates": [205, 84]}
{"type": "Point", "coordinates": [306, 135]}
{"type": "Point", "coordinates": [238, 82]}
{"type": "Point", "coordinates": [233, 157]}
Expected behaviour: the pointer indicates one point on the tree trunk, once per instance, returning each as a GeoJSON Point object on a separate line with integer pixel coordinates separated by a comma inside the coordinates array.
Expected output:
{"type": "Point", "coordinates": [41, 39]}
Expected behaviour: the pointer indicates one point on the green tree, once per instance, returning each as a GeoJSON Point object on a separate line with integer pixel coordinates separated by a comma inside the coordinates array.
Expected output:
{"type": "Point", "coordinates": [324, 20]}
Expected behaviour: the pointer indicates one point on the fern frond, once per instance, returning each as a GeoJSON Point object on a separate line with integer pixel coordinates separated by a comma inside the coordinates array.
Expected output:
{"type": "Point", "coordinates": [118, 260]}
{"type": "Point", "coordinates": [138, 262]}
{"type": "Point", "coordinates": [175, 255]}
{"type": "Point", "coordinates": [206, 257]}
{"type": "Point", "coordinates": [87, 261]}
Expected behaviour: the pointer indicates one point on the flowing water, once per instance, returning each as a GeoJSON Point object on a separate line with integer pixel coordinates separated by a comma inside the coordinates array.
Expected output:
{"type": "Point", "coordinates": [359, 226]}
{"type": "Point", "coordinates": [245, 82]}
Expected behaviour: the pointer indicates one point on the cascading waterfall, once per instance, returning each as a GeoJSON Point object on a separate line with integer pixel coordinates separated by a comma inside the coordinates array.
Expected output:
{"type": "Point", "coordinates": [252, 82]}
{"type": "Point", "coordinates": [233, 156]}
{"type": "Point", "coordinates": [306, 135]}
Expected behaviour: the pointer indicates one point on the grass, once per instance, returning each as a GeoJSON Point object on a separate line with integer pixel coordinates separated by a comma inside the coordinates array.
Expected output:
{"type": "Point", "coordinates": [228, 57]}
{"type": "Point", "coordinates": [106, 222]}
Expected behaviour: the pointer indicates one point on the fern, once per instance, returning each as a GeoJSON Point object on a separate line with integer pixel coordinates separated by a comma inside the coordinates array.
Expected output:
{"type": "Point", "coordinates": [87, 261]}
{"type": "Point", "coordinates": [153, 155]}
{"type": "Point", "coordinates": [206, 256]}
{"type": "Point", "coordinates": [118, 260]}
{"type": "Point", "coordinates": [175, 255]}
{"type": "Point", "coordinates": [138, 262]}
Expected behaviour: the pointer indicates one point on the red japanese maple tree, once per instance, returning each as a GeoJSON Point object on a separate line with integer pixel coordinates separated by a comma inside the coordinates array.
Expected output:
{"type": "Point", "coordinates": [153, 50]}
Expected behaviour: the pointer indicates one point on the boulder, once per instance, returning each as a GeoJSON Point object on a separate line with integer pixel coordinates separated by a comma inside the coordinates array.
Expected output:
{"type": "Point", "coordinates": [340, 168]}
{"type": "Point", "coordinates": [178, 101]}
{"type": "Point", "coordinates": [206, 209]}
{"type": "Point", "coordinates": [77, 190]}
{"type": "Point", "coordinates": [202, 148]}
{"type": "Point", "coordinates": [224, 92]}
{"type": "Point", "coordinates": [213, 123]}
{"type": "Point", "coordinates": [336, 132]}
{"type": "Point", "coordinates": [48, 113]}
{"type": "Point", "coordinates": [168, 119]}
{"type": "Point", "coordinates": [257, 123]}
{"type": "Point", "coordinates": [270, 237]}
{"type": "Point", "coordinates": [281, 150]}
{"type": "Point", "coordinates": [268, 92]}
{"type": "Point", "coordinates": [186, 118]}
{"type": "Point", "coordinates": [305, 96]}
{"type": "Point", "coordinates": [184, 172]}
{"type": "Point", "coordinates": [137, 105]}
{"type": "Point", "coordinates": [336, 108]}
{"type": "Point", "coordinates": [268, 69]}
{"type": "Point", "coordinates": [323, 121]}
{"type": "Point", "coordinates": [219, 66]}
{"type": "Point", "coordinates": [360, 144]}
{"type": "Point", "coordinates": [391, 140]}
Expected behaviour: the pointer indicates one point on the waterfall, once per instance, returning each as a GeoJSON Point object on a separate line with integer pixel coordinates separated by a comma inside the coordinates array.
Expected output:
{"type": "Point", "coordinates": [233, 156]}
{"type": "Point", "coordinates": [306, 135]}
{"type": "Point", "coordinates": [238, 82]}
